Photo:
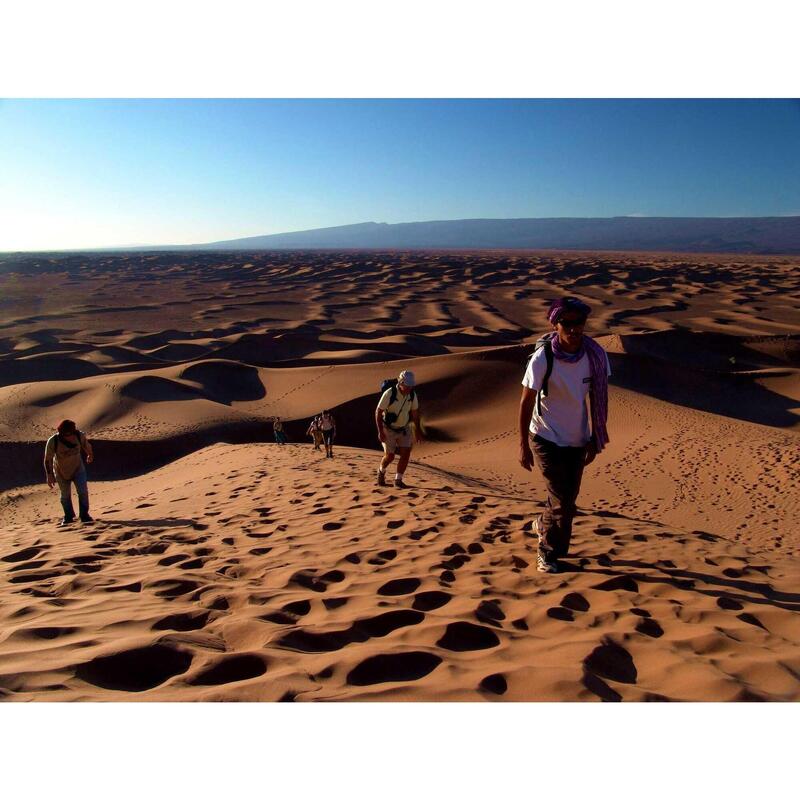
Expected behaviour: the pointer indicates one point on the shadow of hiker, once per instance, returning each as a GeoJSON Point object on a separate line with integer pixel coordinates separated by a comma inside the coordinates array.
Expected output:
{"type": "Point", "coordinates": [686, 580]}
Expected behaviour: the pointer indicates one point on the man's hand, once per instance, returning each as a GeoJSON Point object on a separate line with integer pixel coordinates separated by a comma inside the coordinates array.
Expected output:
{"type": "Point", "coordinates": [525, 455]}
{"type": "Point", "coordinates": [51, 481]}
{"type": "Point", "coordinates": [89, 458]}
{"type": "Point", "coordinates": [591, 453]}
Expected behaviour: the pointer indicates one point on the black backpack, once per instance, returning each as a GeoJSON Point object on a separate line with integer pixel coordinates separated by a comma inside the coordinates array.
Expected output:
{"type": "Point", "coordinates": [544, 342]}
{"type": "Point", "coordinates": [391, 383]}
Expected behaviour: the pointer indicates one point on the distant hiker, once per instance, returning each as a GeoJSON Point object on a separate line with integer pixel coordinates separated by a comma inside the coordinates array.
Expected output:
{"type": "Point", "coordinates": [315, 432]}
{"type": "Point", "coordinates": [327, 424]}
{"type": "Point", "coordinates": [565, 367]}
{"type": "Point", "coordinates": [64, 457]}
{"type": "Point", "coordinates": [397, 409]}
{"type": "Point", "coordinates": [277, 430]}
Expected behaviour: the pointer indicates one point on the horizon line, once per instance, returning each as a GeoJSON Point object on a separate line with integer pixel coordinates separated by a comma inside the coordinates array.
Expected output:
{"type": "Point", "coordinates": [172, 245]}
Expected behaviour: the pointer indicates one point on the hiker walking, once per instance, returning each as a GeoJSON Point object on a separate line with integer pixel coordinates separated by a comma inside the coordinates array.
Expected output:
{"type": "Point", "coordinates": [565, 367]}
{"type": "Point", "coordinates": [397, 409]}
{"type": "Point", "coordinates": [315, 432]}
{"type": "Point", "coordinates": [277, 430]}
{"type": "Point", "coordinates": [327, 424]}
{"type": "Point", "coordinates": [65, 455]}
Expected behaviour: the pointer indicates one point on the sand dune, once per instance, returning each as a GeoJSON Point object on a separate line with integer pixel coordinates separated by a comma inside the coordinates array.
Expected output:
{"type": "Point", "coordinates": [223, 567]}
{"type": "Point", "coordinates": [255, 572]}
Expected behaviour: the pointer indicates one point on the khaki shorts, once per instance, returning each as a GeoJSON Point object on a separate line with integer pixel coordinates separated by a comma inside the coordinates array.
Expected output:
{"type": "Point", "coordinates": [395, 439]}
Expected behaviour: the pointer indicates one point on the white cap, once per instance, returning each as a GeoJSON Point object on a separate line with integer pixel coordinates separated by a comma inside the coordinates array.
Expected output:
{"type": "Point", "coordinates": [407, 377]}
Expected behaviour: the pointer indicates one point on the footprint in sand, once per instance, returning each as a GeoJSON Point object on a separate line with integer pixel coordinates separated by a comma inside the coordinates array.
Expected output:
{"type": "Point", "coordinates": [429, 601]}
{"type": "Point", "coordinates": [23, 555]}
{"type": "Point", "coordinates": [170, 560]}
{"type": "Point", "coordinates": [575, 602]}
{"type": "Point", "coordinates": [622, 583]}
{"type": "Point", "coordinates": [360, 631]}
{"type": "Point", "coordinates": [465, 636]}
{"type": "Point", "coordinates": [190, 621]}
{"type": "Point", "coordinates": [309, 580]}
{"type": "Point", "coordinates": [494, 684]}
{"type": "Point", "coordinates": [489, 611]}
{"type": "Point", "coordinates": [649, 627]}
{"type": "Point", "coordinates": [231, 669]}
{"type": "Point", "coordinates": [135, 670]}
{"type": "Point", "coordinates": [399, 586]}
{"type": "Point", "coordinates": [393, 667]}
{"type": "Point", "coordinates": [611, 661]}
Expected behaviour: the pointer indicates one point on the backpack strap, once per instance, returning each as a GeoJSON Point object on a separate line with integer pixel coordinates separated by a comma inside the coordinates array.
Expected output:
{"type": "Point", "coordinates": [548, 355]}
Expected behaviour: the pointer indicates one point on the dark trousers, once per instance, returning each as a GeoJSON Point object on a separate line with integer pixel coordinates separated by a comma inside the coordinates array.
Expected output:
{"type": "Point", "coordinates": [562, 469]}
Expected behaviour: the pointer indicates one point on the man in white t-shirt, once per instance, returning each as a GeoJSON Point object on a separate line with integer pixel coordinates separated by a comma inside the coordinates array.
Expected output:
{"type": "Point", "coordinates": [566, 368]}
{"type": "Point", "coordinates": [397, 409]}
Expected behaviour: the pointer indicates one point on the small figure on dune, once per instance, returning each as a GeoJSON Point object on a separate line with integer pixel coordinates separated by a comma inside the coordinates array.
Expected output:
{"type": "Point", "coordinates": [277, 430]}
{"type": "Point", "coordinates": [65, 457]}
{"type": "Point", "coordinates": [397, 409]}
{"type": "Point", "coordinates": [565, 368]}
{"type": "Point", "coordinates": [327, 424]}
{"type": "Point", "coordinates": [315, 432]}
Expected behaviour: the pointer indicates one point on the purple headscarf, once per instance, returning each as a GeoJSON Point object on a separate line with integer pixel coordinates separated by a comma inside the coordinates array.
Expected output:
{"type": "Point", "coordinates": [558, 307]}
{"type": "Point", "coordinates": [598, 393]}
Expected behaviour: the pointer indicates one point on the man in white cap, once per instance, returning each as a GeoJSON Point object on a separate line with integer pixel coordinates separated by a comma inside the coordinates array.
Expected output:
{"type": "Point", "coordinates": [397, 409]}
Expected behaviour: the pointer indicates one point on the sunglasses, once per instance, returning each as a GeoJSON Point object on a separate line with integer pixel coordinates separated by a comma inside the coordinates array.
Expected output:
{"type": "Point", "coordinates": [578, 322]}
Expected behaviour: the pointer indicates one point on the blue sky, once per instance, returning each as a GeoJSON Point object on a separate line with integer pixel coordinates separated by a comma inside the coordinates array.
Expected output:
{"type": "Point", "coordinates": [95, 173]}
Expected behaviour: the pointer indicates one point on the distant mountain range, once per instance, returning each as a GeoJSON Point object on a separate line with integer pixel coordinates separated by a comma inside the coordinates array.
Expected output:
{"type": "Point", "coordinates": [770, 235]}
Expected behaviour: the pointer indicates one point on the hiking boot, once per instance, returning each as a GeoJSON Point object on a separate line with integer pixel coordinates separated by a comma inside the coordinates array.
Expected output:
{"type": "Point", "coordinates": [398, 484]}
{"type": "Point", "coordinates": [87, 518]}
{"type": "Point", "coordinates": [546, 565]}
{"type": "Point", "coordinates": [381, 479]}
{"type": "Point", "coordinates": [62, 523]}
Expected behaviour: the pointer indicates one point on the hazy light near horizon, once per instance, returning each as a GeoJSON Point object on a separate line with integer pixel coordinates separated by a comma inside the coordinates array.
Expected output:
{"type": "Point", "coordinates": [91, 174]}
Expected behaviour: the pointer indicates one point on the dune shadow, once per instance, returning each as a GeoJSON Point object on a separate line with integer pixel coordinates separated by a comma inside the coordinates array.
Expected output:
{"type": "Point", "coordinates": [724, 392]}
{"type": "Point", "coordinates": [730, 589]}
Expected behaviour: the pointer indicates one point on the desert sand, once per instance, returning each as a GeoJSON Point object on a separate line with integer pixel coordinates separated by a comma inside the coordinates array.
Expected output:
{"type": "Point", "coordinates": [225, 567]}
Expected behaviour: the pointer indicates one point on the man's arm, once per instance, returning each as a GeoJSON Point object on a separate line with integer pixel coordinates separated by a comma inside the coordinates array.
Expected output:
{"type": "Point", "coordinates": [379, 423]}
{"type": "Point", "coordinates": [526, 402]}
{"type": "Point", "coordinates": [49, 453]}
{"type": "Point", "coordinates": [87, 446]}
{"type": "Point", "coordinates": [417, 425]}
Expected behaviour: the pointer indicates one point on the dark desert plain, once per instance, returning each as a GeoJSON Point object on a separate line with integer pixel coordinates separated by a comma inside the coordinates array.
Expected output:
{"type": "Point", "coordinates": [224, 567]}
